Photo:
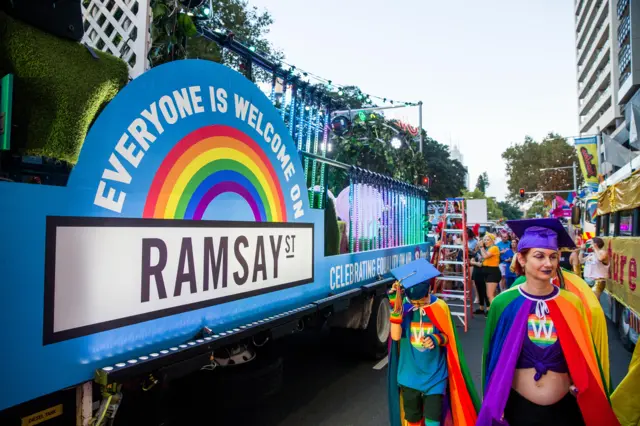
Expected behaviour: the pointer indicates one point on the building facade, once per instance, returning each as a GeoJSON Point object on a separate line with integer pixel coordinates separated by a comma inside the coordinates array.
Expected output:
{"type": "Point", "coordinates": [597, 63]}
{"type": "Point", "coordinates": [608, 71]}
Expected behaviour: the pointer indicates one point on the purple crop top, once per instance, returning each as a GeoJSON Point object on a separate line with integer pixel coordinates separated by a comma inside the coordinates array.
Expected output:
{"type": "Point", "coordinates": [541, 348]}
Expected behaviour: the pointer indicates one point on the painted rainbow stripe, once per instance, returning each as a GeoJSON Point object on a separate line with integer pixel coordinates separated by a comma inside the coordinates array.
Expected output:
{"type": "Point", "coordinates": [210, 161]}
{"type": "Point", "coordinates": [537, 330]}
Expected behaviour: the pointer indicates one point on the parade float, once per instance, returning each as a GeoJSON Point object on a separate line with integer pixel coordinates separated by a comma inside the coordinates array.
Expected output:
{"type": "Point", "coordinates": [180, 220]}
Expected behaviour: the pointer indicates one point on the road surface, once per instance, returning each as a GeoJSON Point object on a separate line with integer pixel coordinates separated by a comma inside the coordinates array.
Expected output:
{"type": "Point", "coordinates": [328, 383]}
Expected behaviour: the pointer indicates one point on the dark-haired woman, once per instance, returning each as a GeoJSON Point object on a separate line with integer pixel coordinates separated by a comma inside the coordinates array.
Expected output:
{"type": "Point", "coordinates": [539, 362]}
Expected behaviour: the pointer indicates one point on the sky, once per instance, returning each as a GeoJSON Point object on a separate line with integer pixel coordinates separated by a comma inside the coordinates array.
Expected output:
{"type": "Point", "coordinates": [489, 72]}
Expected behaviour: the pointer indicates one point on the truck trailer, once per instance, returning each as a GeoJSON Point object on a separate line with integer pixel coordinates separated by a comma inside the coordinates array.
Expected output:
{"type": "Point", "coordinates": [184, 236]}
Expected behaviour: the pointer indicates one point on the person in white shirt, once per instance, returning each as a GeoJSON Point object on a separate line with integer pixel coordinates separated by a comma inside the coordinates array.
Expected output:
{"type": "Point", "coordinates": [596, 264]}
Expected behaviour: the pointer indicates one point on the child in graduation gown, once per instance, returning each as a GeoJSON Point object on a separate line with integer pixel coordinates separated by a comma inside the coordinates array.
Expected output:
{"type": "Point", "coordinates": [429, 382]}
{"type": "Point", "coordinates": [539, 362]}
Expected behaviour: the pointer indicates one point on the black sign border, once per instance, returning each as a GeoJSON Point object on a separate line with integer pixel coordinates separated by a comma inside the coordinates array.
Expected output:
{"type": "Point", "coordinates": [55, 222]}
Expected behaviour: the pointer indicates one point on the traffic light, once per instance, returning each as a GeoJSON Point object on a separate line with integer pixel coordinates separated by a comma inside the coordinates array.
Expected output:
{"type": "Point", "coordinates": [425, 181]}
{"type": "Point", "coordinates": [521, 192]}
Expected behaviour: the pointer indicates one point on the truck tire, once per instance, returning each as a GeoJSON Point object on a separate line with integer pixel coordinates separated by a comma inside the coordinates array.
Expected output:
{"type": "Point", "coordinates": [624, 328]}
{"type": "Point", "coordinates": [376, 335]}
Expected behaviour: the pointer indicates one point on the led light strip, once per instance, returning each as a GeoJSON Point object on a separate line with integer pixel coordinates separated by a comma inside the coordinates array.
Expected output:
{"type": "Point", "coordinates": [198, 342]}
{"type": "Point", "coordinates": [325, 141]}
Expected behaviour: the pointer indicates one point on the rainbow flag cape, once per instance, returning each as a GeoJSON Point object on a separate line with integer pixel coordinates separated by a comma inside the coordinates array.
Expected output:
{"type": "Point", "coordinates": [595, 317]}
{"type": "Point", "coordinates": [461, 403]}
{"type": "Point", "coordinates": [503, 339]}
{"type": "Point", "coordinates": [624, 399]}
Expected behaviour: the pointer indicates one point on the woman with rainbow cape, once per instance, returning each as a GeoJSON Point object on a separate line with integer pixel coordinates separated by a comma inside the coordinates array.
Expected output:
{"type": "Point", "coordinates": [593, 310]}
{"type": "Point", "coordinates": [539, 365]}
{"type": "Point", "coordinates": [428, 382]}
{"type": "Point", "coordinates": [595, 315]}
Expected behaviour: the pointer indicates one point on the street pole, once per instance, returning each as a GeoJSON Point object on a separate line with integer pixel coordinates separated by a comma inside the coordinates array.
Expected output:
{"type": "Point", "coordinates": [369, 109]}
{"type": "Point", "coordinates": [549, 192]}
{"type": "Point", "coordinates": [575, 179]}
{"type": "Point", "coordinates": [420, 124]}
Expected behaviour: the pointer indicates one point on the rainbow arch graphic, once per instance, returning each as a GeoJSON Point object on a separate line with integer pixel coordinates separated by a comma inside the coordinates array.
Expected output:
{"type": "Point", "coordinates": [211, 161]}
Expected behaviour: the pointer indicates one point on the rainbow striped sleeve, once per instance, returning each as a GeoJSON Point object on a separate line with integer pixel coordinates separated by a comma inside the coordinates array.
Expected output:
{"type": "Point", "coordinates": [440, 339]}
{"type": "Point", "coordinates": [392, 298]}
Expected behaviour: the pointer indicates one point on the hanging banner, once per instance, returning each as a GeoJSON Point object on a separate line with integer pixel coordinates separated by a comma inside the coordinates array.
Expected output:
{"type": "Point", "coordinates": [587, 149]}
{"type": "Point", "coordinates": [624, 254]}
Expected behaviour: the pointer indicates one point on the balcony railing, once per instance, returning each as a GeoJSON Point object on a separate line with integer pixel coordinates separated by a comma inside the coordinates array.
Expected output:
{"type": "Point", "coordinates": [596, 82]}
{"type": "Point", "coordinates": [585, 15]}
{"type": "Point", "coordinates": [622, 5]}
{"type": "Point", "coordinates": [598, 55]}
{"type": "Point", "coordinates": [593, 37]}
{"type": "Point", "coordinates": [624, 29]}
{"type": "Point", "coordinates": [583, 32]}
{"type": "Point", "coordinates": [599, 96]}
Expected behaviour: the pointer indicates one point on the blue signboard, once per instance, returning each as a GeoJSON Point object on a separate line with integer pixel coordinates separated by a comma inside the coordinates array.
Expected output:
{"type": "Point", "coordinates": [188, 208]}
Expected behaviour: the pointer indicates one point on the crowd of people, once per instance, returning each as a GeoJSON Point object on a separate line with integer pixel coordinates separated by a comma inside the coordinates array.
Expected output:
{"type": "Point", "coordinates": [494, 268]}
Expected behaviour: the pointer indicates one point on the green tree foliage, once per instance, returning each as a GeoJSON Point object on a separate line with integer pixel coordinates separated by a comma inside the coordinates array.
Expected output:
{"type": "Point", "coordinates": [494, 212]}
{"type": "Point", "coordinates": [368, 146]}
{"type": "Point", "coordinates": [510, 211]}
{"type": "Point", "coordinates": [537, 208]}
{"type": "Point", "coordinates": [524, 161]}
{"type": "Point", "coordinates": [448, 176]}
{"type": "Point", "coordinates": [483, 182]}
{"type": "Point", "coordinates": [175, 35]}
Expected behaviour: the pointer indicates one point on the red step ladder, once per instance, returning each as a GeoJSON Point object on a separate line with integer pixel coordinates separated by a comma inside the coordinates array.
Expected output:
{"type": "Point", "coordinates": [455, 273]}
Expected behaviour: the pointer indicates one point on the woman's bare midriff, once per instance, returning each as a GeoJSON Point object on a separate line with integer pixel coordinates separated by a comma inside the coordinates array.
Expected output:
{"type": "Point", "coordinates": [551, 387]}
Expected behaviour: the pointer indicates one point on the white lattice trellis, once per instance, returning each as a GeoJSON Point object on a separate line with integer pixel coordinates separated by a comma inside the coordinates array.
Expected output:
{"type": "Point", "coordinates": [120, 28]}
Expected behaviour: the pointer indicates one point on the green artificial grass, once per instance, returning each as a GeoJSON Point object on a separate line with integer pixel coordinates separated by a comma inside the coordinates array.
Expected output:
{"type": "Point", "coordinates": [331, 230]}
{"type": "Point", "coordinates": [59, 89]}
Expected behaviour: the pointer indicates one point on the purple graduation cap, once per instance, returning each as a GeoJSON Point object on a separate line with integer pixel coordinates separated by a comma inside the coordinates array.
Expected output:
{"type": "Point", "coordinates": [544, 233]}
{"type": "Point", "coordinates": [414, 273]}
